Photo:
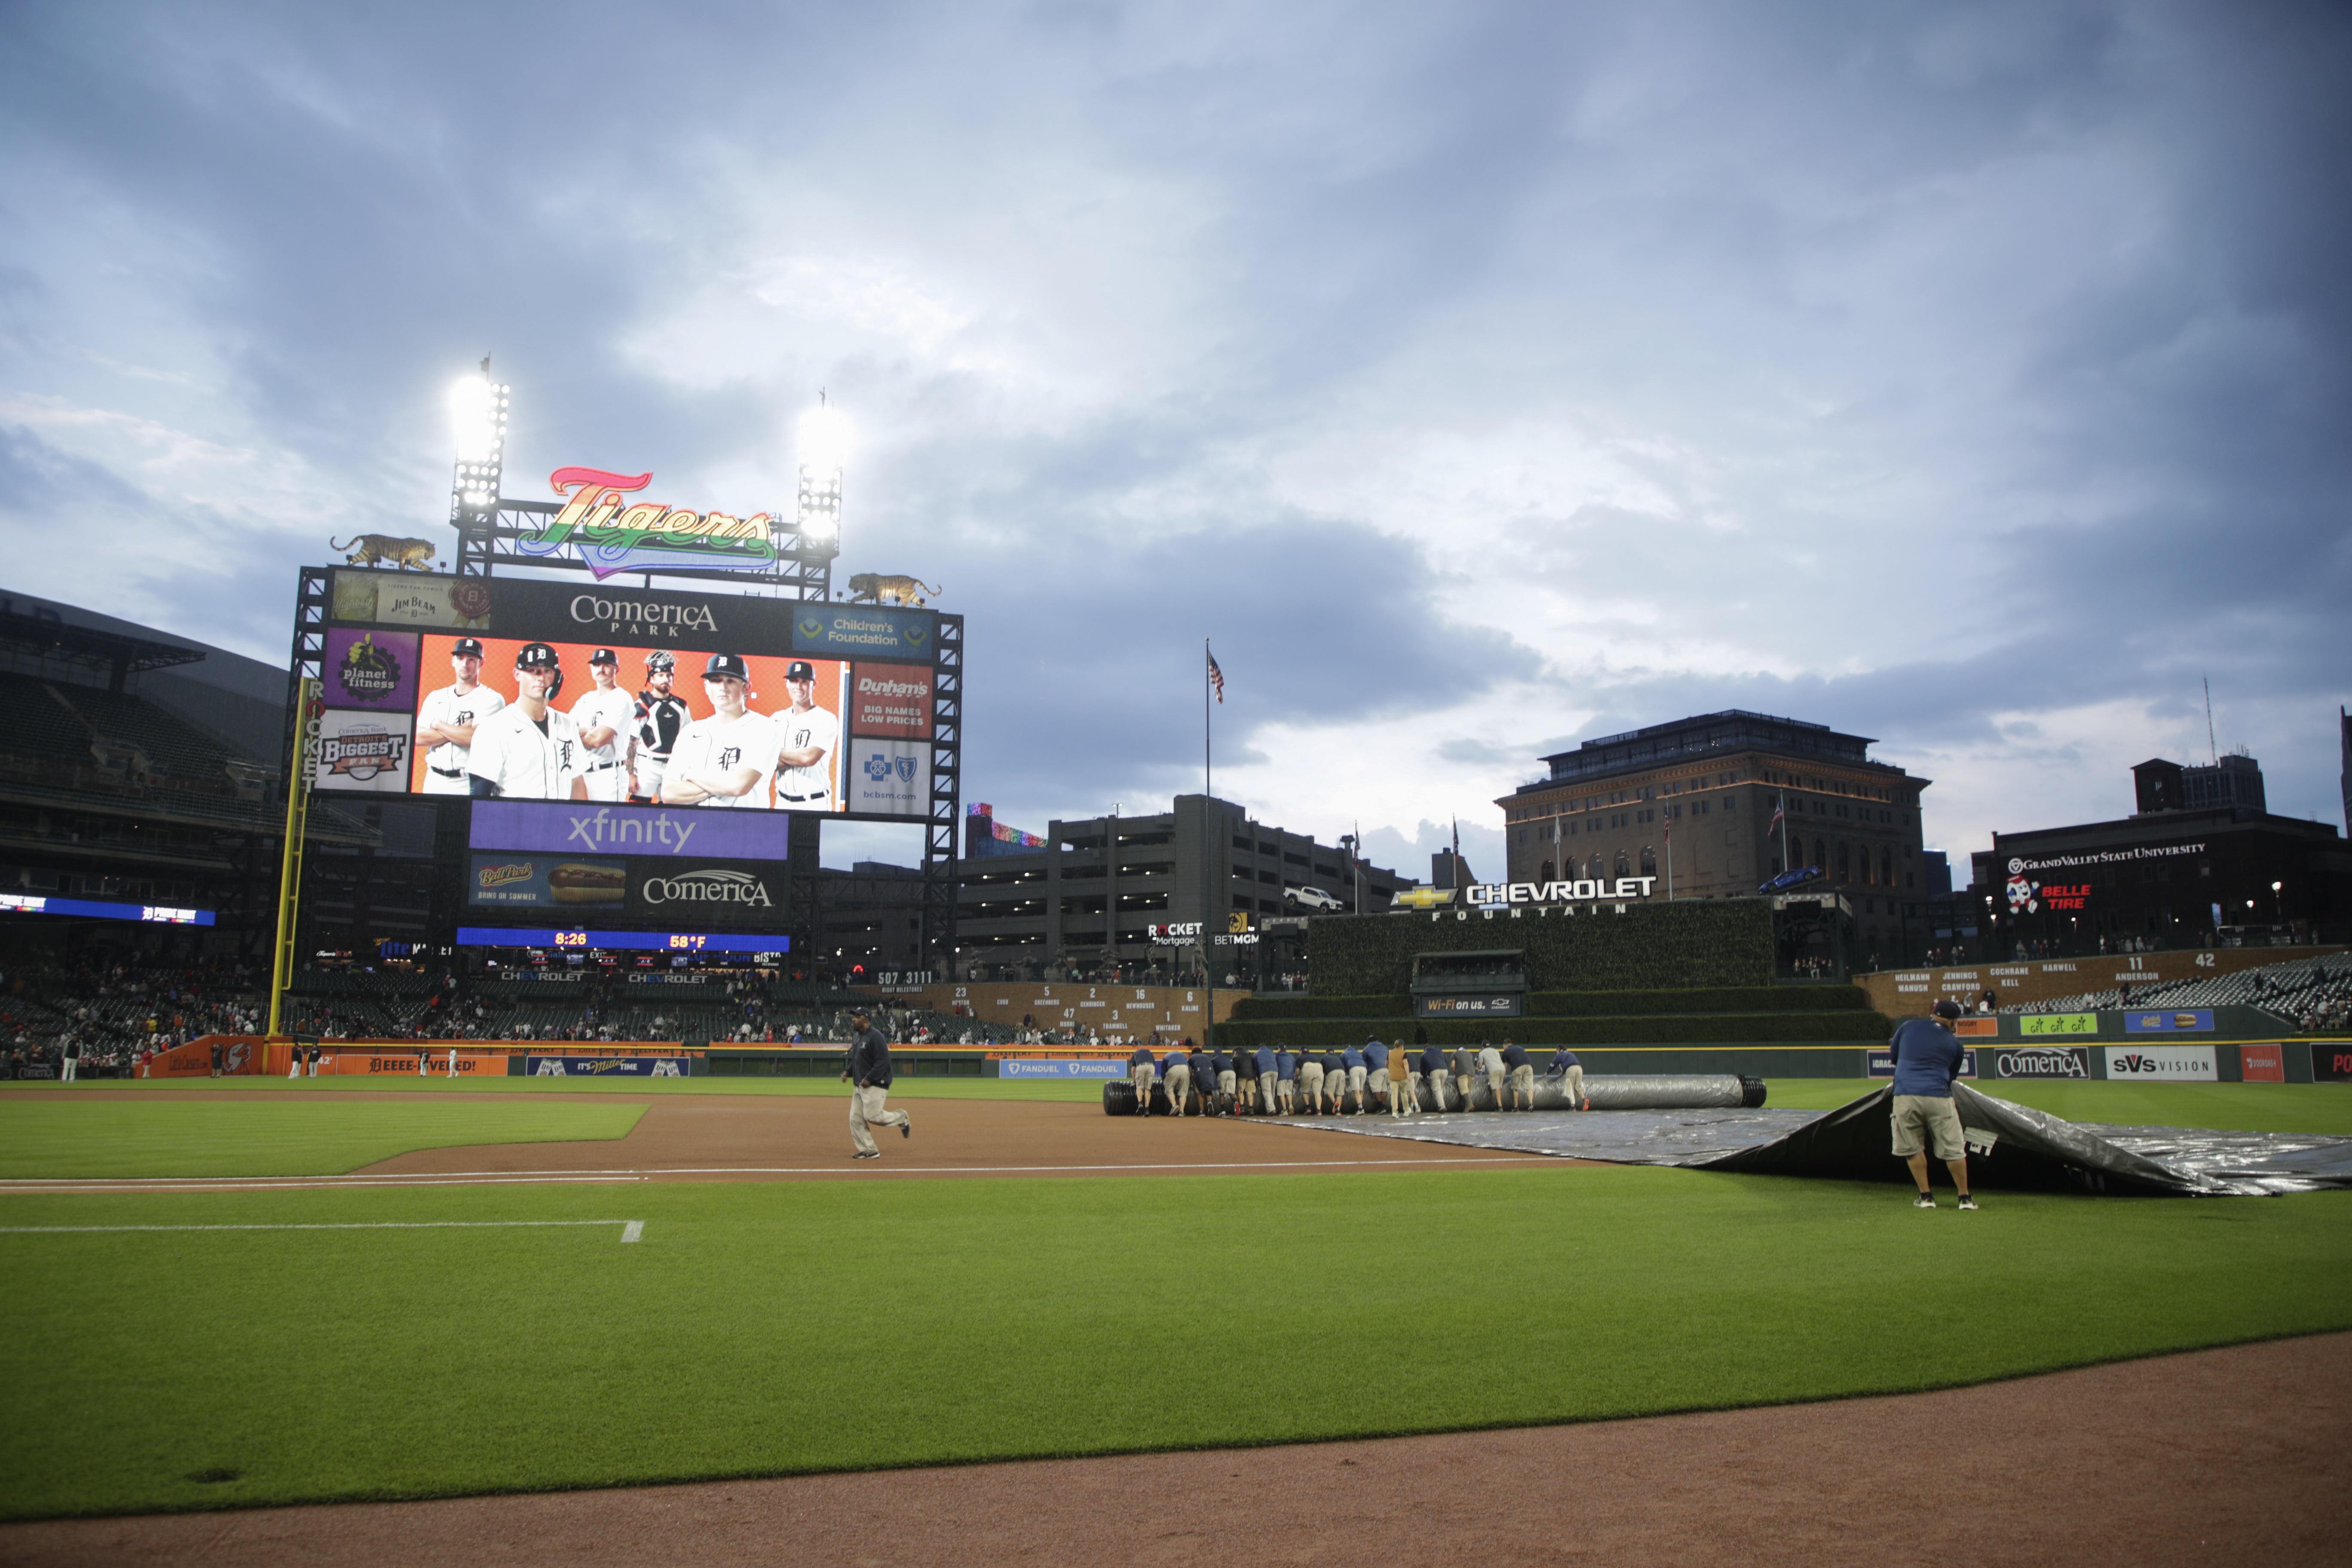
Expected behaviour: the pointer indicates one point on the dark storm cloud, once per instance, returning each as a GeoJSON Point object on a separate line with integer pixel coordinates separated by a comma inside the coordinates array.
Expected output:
{"type": "Point", "coordinates": [1960, 367]}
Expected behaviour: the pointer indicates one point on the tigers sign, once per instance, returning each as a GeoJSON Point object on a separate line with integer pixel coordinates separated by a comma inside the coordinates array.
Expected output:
{"type": "Point", "coordinates": [610, 533]}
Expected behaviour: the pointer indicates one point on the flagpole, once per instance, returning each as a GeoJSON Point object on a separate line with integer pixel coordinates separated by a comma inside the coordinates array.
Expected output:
{"type": "Point", "coordinates": [1208, 860]}
{"type": "Point", "coordinates": [1670, 855]}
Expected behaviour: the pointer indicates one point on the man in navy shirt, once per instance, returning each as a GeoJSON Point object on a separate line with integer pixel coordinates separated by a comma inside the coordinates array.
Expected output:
{"type": "Point", "coordinates": [1176, 1072]}
{"type": "Point", "coordinates": [1571, 1074]}
{"type": "Point", "coordinates": [1286, 1079]}
{"type": "Point", "coordinates": [1523, 1076]}
{"type": "Point", "coordinates": [1434, 1075]}
{"type": "Point", "coordinates": [1335, 1079]}
{"type": "Point", "coordinates": [869, 1073]}
{"type": "Point", "coordinates": [1354, 1058]}
{"type": "Point", "coordinates": [1139, 1063]}
{"type": "Point", "coordinates": [1926, 1058]}
{"type": "Point", "coordinates": [1262, 1061]}
{"type": "Point", "coordinates": [1227, 1068]}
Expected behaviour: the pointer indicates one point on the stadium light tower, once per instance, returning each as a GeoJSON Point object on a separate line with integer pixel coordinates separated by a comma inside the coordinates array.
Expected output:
{"type": "Point", "coordinates": [824, 448]}
{"type": "Point", "coordinates": [478, 407]}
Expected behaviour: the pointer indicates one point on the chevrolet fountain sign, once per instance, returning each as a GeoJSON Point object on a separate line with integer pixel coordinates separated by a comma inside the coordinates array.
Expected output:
{"type": "Point", "coordinates": [1491, 893]}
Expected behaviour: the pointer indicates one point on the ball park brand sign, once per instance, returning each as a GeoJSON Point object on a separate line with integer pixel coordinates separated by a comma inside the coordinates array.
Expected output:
{"type": "Point", "coordinates": [610, 533]}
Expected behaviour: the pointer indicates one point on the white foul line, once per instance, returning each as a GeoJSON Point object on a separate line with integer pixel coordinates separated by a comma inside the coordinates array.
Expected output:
{"type": "Point", "coordinates": [631, 1229]}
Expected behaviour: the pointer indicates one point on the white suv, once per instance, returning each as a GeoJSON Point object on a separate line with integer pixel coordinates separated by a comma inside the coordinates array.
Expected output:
{"type": "Point", "coordinates": [1312, 899]}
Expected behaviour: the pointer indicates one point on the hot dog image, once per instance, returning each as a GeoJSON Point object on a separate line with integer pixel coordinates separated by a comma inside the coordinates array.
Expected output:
{"type": "Point", "coordinates": [574, 883]}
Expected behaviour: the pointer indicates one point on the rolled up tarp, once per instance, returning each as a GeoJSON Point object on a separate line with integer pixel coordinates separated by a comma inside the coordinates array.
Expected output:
{"type": "Point", "coordinates": [1118, 1098]}
{"type": "Point", "coordinates": [1642, 1091]}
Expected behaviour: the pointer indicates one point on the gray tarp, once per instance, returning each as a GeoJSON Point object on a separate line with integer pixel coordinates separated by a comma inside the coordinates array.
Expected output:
{"type": "Point", "coordinates": [2010, 1145]}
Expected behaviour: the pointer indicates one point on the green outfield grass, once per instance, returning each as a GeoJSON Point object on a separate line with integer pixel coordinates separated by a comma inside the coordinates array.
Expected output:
{"type": "Point", "coordinates": [764, 1330]}
{"type": "Point", "coordinates": [2232, 1107]}
{"type": "Point", "coordinates": [204, 1135]}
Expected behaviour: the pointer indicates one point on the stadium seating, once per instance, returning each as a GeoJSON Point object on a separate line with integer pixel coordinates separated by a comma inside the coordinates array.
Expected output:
{"type": "Point", "coordinates": [2309, 992]}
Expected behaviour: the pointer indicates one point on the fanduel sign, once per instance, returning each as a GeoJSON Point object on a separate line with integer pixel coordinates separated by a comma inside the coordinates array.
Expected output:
{"type": "Point", "coordinates": [557, 827]}
{"type": "Point", "coordinates": [1560, 892]}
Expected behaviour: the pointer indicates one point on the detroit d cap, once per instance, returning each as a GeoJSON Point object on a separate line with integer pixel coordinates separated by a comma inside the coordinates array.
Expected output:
{"type": "Point", "coordinates": [802, 669]}
{"type": "Point", "coordinates": [603, 656]}
{"type": "Point", "coordinates": [536, 655]}
{"type": "Point", "coordinates": [726, 664]}
{"type": "Point", "coordinates": [465, 645]}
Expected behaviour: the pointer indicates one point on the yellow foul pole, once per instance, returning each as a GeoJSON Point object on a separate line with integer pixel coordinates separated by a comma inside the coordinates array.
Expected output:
{"type": "Point", "coordinates": [290, 872]}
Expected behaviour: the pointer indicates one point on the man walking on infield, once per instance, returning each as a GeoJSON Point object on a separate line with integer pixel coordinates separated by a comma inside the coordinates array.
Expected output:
{"type": "Point", "coordinates": [869, 1076]}
{"type": "Point", "coordinates": [1926, 1058]}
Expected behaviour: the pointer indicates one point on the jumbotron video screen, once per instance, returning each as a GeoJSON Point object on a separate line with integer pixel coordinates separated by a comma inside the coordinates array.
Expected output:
{"type": "Point", "coordinates": [532, 690]}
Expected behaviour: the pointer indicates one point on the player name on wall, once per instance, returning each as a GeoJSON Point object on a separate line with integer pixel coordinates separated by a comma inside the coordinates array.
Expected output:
{"type": "Point", "coordinates": [1560, 892]}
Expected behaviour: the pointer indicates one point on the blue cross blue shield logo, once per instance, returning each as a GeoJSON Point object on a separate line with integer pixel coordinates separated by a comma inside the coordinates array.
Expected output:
{"type": "Point", "coordinates": [877, 767]}
{"type": "Point", "coordinates": [905, 769]}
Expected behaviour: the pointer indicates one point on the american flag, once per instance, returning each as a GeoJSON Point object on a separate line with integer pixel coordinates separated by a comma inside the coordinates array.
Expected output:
{"type": "Point", "coordinates": [1216, 677]}
{"type": "Point", "coordinates": [1776, 815]}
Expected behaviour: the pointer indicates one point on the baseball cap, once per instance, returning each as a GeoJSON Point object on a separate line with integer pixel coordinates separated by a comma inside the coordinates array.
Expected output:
{"type": "Point", "coordinates": [801, 670]}
{"type": "Point", "coordinates": [1948, 1009]}
{"type": "Point", "coordinates": [661, 658]}
{"type": "Point", "coordinates": [726, 664]}
{"type": "Point", "coordinates": [603, 656]}
{"type": "Point", "coordinates": [536, 655]}
{"type": "Point", "coordinates": [466, 645]}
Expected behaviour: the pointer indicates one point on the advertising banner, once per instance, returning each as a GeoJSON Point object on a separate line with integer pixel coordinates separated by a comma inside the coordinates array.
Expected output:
{"type": "Point", "coordinates": [847, 630]}
{"type": "Point", "coordinates": [548, 881]}
{"type": "Point", "coordinates": [604, 1067]}
{"type": "Point", "coordinates": [1505, 1006]}
{"type": "Point", "coordinates": [732, 893]}
{"type": "Point", "coordinates": [570, 827]}
{"type": "Point", "coordinates": [2163, 1064]}
{"type": "Point", "coordinates": [2194, 1020]}
{"type": "Point", "coordinates": [401, 599]}
{"type": "Point", "coordinates": [239, 1054]}
{"type": "Point", "coordinates": [370, 670]}
{"type": "Point", "coordinates": [1037, 1066]}
{"type": "Point", "coordinates": [391, 1061]}
{"type": "Point", "coordinates": [892, 701]}
{"type": "Point", "coordinates": [2031, 1024]}
{"type": "Point", "coordinates": [1976, 1028]}
{"type": "Point", "coordinates": [367, 752]}
{"type": "Point", "coordinates": [2043, 1061]}
{"type": "Point", "coordinates": [2331, 1062]}
{"type": "Point", "coordinates": [889, 777]}
{"type": "Point", "coordinates": [1882, 1063]}
{"type": "Point", "coordinates": [2261, 1064]}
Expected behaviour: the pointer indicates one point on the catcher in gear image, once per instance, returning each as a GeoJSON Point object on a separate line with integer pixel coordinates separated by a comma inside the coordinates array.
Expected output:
{"type": "Point", "coordinates": [661, 717]}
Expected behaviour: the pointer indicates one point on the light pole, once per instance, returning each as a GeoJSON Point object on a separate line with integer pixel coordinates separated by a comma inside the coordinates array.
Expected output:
{"type": "Point", "coordinates": [824, 449]}
{"type": "Point", "coordinates": [2278, 904]}
{"type": "Point", "coordinates": [478, 410]}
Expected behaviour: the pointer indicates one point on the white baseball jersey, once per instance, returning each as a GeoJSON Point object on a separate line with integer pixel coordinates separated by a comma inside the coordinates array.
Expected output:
{"type": "Point", "coordinates": [514, 755]}
{"type": "Point", "coordinates": [445, 764]}
{"type": "Point", "coordinates": [798, 789]}
{"type": "Point", "coordinates": [608, 777]}
{"type": "Point", "coordinates": [713, 747]}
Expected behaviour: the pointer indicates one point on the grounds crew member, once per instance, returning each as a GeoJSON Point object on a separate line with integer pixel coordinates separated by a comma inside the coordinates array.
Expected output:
{"type": "Point", "coordinates": [1286, 1079]}
{"type": "Point", "coordinates": [1357, 1073]}
{"type": "Point", "coordinates": [1571, 1074]}
{"type": "Point", "coordinates": [1263, 1059]}
{"type": "Point", "coordinates": [1466, 1063]}
{"type": "Point", "coordinates": [1376, 1070]}
{"type": "Point", "coordinates": [1178, 1073]}
{"type": "Point", "coordinates": [1523, 1075]}
{"type": "Point", "coordinates": [1433, 1074]}
{"type": "Point", "coordinates": [1229, 1081]}
{"type": "Point", "coordinates": [869, 1076]}
{"type": "Point", "coordinates": [1925, 1056]}
{"type": "Point", "coordinates": [1490, 1064]}
{"type": "Point", "coordinates": [1310, 1083]}
{"type": "Point", "coordinates": [1139, 1062]}
{"type": "Point", "coordinates": [1335, 1079]}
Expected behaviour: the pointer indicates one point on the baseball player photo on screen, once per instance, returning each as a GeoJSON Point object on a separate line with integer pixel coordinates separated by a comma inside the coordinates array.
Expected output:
{"type": "Point", "coordinates": [541, 721]}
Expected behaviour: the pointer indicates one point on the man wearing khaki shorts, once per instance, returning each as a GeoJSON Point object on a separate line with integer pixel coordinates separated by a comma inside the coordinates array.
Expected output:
{"type": "Point", "coordinates": [1178, 1073]}
{"type": "Point", "coordinates": [1310, 1083]}
{"type": "Point", "coordinates": [1926, 1058]}
{"type": "Point", "coordinates": [1140, 1065]}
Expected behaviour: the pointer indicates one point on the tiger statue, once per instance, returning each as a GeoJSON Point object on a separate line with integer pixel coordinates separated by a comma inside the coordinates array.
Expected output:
{"type": "Point", "coordinates": [375, 549]}
{"type": "Point", "coordinates": [877, 589]}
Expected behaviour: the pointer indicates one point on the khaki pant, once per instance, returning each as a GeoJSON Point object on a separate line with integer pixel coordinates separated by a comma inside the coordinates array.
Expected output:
{"type": "Point", "coordinates": [1404, 1098]}
{"type": "Point", "coordinates": [1377, 1080]}
{"type": "Point", "coordinates": [1180, 1084]}
{"type": "Point", "coordinates": [1523, 1080]}
{"type": "Point", "coordinates": [1438, 1083]}
{"type": "Point", "coordinates": [1266, 1092]}
{"type": "Point", "coordinates": [1572, 1080]}
{"type": "Point", "coordinates": [1921, 1120]}
{"type": "Point", "coordinates": [1284, 1093]}
{"type": "Point", "coordinates": [1310, 1084]}
{"type": "Point", "coordinates": [866, 1112]}
{"type": "Point", "coordinates": [1142, 1077]}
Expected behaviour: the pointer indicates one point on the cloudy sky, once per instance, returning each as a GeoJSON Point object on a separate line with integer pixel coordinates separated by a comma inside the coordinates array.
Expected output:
{"type": "Point", "coordinates": [1480, 377]}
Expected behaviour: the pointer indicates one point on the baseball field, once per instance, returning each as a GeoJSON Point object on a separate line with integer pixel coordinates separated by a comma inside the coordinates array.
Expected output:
{"type": "Point", "coordinates": [230, 1293]}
